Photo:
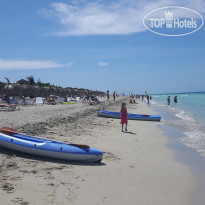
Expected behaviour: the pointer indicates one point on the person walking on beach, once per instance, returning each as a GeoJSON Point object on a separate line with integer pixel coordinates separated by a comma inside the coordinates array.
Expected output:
{"type": "Point", "coordinates": [123, 115]}
{"type": "Point", "coordinates": [108, 95]}
{"type": "Point", "coordinates": [148, 99]}
{"type": "Point", "coordinates": [114, 96]}
{"type": "Point", "coordinates": [168, 100]}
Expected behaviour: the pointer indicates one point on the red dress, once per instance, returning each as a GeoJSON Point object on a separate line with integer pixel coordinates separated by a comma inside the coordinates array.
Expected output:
{"type": "Point", "coordinates": [123, 114]}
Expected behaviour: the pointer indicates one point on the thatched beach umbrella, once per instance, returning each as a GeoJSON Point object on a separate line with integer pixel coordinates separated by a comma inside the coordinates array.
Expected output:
{"type": "Point", "coordinates": [35, 90]}
{"type": "Point", "coordinates": [68, 91]}
{"type": "Point", "coordinates": [51, 91]}
{"type": "Point", "coordinates": [41, 91]}
{"type": "Point", "coordinates": [2, 85]}
{"type": "Point", "coordinates": [61, 92]}
{"type": "Point", "coordinates": [8, 90]}
{"type": "Point", "coordinates": [17, 90]}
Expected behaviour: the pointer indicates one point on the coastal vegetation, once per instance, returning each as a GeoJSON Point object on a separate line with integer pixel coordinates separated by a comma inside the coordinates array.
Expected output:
{"type": "Point", "coordinates": [28, 87]}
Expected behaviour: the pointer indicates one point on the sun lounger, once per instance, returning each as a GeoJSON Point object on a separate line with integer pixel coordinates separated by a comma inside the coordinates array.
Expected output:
{"type": "Point", "coordinates": [70, 100]}
{"type": "Point", "coordinates": [39, 101]}
{"type": "Point", "coordinates": [15, 103]}
{"type": "Point", "coordinates": [8, 107]}
{"type": "Point", "coordinates": [78, 99]}
{"type": "Point", "coordinates": [4, 107]}
{"type": "Point", "coordinates": [59, 99]}
{"type": "Point", "coordinates": [28, 101]}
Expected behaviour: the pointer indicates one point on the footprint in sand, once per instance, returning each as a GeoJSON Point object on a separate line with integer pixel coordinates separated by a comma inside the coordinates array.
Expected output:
{"type": "Point", "coordinates": [20, 201]}
{"type": "Point", "coordinates": [15, 178]}
{"type": "Point", "coordinates": [110, 156]}
{"type": "Point", "coordinates": [11, 165]}
{"type": "Point", "coordinates": [4, 177]}
{"type": "Point", "coordinates": [8, 188]}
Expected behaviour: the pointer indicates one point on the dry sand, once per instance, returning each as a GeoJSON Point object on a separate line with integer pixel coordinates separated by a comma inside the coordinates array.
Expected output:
{"type": "Point", "coordinates": [137, 167]}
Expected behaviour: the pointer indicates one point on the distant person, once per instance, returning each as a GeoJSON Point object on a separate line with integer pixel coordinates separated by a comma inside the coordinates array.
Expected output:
{"type": "Point", "coordinates": [168, 100]}
{"type": "Point", "coordinates": [175, 99]}
{"type": "Point", "coordinates": [123, 115]}
{"type": "Point", "coordinates": [148, 99]}
{"type": "Point", "coordinates": [114, 95]}
{"type": "Point", "coordinates": [108, 95]}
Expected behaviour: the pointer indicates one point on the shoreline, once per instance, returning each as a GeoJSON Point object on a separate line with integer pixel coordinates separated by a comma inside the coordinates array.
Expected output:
{"type": "Point", "coordinates": [137, 165]}
{"type": "Point", "coordinates": [190, 158]}
{"type": "Point", "coordinates": [184, 154]}
{"type": "Point", "coordinates": [187, 116]}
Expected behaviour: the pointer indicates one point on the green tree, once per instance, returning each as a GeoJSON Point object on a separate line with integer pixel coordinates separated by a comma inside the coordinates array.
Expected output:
{"type": "Point", "coordinates": [39, 83]}
{"type": "Point", "coordinates": [30, 79]}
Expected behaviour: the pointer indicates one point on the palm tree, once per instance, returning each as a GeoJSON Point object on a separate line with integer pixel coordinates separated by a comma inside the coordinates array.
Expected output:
{"type": "Point", "coordinates": [30, 79]}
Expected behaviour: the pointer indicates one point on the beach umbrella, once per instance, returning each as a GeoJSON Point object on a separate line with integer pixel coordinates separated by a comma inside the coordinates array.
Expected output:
{"type": "Point", "coordinates": [2, 85]}
{"type": "Point", "coordinates": [8, 88]}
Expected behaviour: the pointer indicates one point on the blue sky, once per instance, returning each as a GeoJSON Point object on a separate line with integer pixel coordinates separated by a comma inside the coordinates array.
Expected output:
{"type": "Point", "coordinates": [99, 45]}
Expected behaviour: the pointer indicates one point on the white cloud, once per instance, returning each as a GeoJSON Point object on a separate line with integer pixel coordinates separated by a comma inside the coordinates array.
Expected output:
{"type": "Point", "coordinates": [26, 64]}
{"type": "Point", "coordinates": [81, 17]}
{"type": "Point", "coordinates": [103, 64]}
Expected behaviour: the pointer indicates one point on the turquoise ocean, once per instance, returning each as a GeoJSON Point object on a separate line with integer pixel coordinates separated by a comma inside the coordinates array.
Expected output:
{"type": "Point", "coordinates": [187, 116]}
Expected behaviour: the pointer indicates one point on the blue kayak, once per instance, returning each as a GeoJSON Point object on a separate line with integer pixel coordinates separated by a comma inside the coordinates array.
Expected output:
{"type": "Point", "coordinates": [11, 139]}
{"type": "Point", "coordinates": [103, 113]}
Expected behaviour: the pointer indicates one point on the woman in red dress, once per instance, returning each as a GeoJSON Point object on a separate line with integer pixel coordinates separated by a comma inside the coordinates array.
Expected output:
{"type": "Point", "coordinates": [123, 114]}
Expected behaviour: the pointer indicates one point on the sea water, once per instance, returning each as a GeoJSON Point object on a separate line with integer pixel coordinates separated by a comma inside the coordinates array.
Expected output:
{"type": "Point", "coordinates": [188, 116]}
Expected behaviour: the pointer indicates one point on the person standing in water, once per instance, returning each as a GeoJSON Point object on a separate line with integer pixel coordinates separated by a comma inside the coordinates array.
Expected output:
{"type": "Point", "coordinates": [168, 100]}
{"type": "Point", "coordinates": [123, 115]}
{"type": "Point", "coordinates": [175, 99]}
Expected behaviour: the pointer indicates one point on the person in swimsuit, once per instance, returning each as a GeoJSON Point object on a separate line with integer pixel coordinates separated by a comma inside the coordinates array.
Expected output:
{"type": "Point", "coordinates": [108, 95]}
{"type": "Point", "coordinates": [114, 95]}
{"type": "Point", "coordinates": [168, 100]}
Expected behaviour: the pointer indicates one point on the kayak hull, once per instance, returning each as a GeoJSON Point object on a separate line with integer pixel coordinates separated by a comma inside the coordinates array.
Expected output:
{"type": "Point", "coordinates": [47, 148]}
{"type": "Point", "coordinates": [109, 114]}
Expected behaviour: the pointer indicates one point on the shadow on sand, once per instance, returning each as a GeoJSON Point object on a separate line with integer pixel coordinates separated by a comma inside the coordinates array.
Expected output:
{"type": "Point", "coordinates": [132, 133]}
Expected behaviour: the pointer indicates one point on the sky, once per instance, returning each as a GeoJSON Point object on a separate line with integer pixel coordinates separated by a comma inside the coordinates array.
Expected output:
{"type": "Point", "coordinates": [99, 45]}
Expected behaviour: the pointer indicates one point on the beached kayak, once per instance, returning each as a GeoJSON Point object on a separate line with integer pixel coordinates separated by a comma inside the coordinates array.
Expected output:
{"type": "Point", "coordinates": [11, 139]}
{"type": "Point", "coordinates": [103, 113]}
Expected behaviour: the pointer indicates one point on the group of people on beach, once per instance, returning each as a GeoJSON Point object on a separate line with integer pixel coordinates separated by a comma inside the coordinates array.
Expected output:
{"type": "Point", "coordinates": [124, 113]}
{"type": "Point", "coordinates": [108, 95]}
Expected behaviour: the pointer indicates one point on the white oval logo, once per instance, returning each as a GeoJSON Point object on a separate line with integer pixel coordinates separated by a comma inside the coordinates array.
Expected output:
{"type": "Point", "coordinates": [173, 21]}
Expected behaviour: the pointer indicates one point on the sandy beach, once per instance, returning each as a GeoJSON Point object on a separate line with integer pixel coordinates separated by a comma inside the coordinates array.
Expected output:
{"type": "Point", "coordinates": [137, 166]}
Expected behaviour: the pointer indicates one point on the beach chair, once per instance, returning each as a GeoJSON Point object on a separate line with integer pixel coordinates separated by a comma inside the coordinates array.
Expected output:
{"type": "Point", "coordinates": [7, 107]}
{"type": "Point", "coordinates": [39, 101]}
{"type": "Point", "coordinates": [60, 99]}
{"type": "Point", "coordinates": [19, 100]}
{"type": "Point", "coordinates": [28, 101]}
{"type": "Point", "coordinates": [15, 103]}
{"type": "Point", "coordinates": [78, 99]}
{"type": "Point", "coordinates": [71, 100]}
{"type": "Point", "coordinates": [4, 107]}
